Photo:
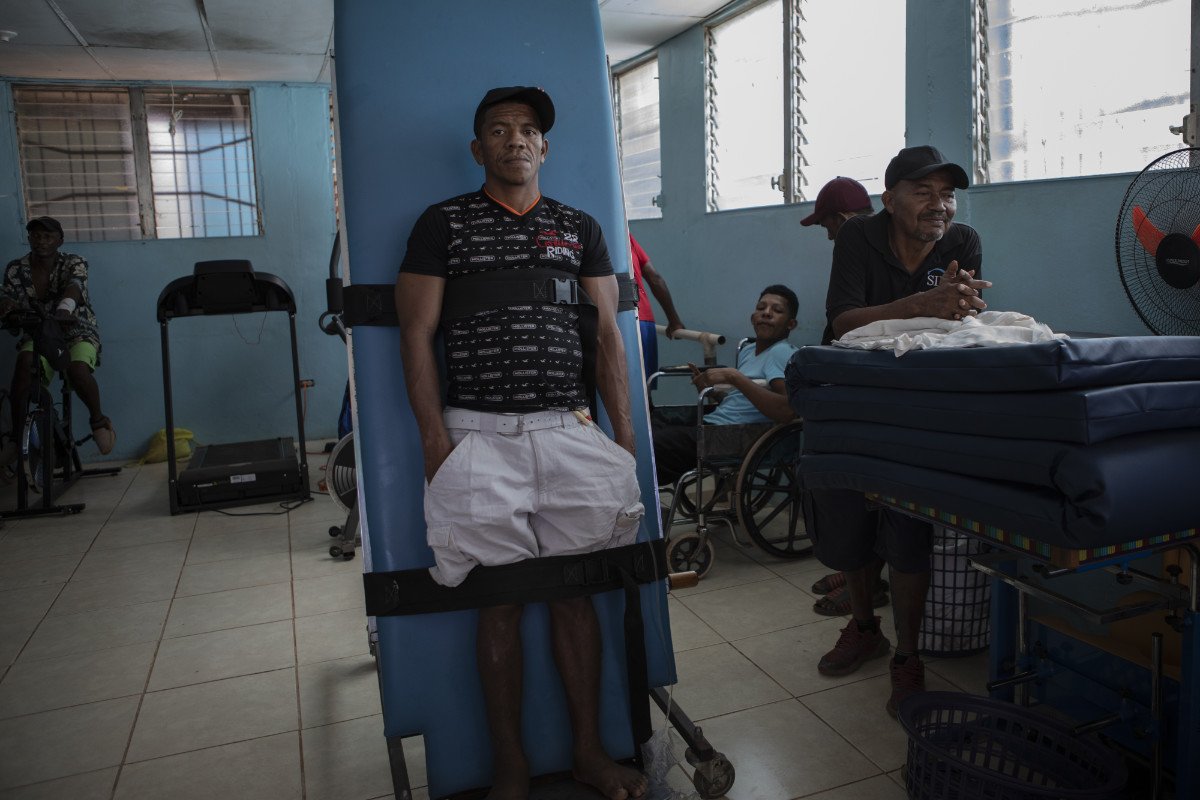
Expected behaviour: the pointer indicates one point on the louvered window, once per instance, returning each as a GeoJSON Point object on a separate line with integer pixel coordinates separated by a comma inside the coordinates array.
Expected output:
{"type": "Point", "coordinates": [1083, 87]}
{"type": "Point", "coordinates": [799, 92]}
{"type": "Point", "coordinates": [745, 105]}
{"type": "Point", "coordinates": [636, 92]}
{"type": "Point", "coordinates": [138, 163]}
{"type": "Point", "coordinates": [77, 165]}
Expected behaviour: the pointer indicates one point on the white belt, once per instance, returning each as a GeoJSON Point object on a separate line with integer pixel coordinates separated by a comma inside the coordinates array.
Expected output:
{"type": "Point", "coordinates": [512, 424]}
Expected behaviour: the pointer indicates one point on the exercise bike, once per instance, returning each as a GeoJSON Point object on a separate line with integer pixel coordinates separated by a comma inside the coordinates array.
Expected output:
{"type": "Point", "coordinates": [48, 461]}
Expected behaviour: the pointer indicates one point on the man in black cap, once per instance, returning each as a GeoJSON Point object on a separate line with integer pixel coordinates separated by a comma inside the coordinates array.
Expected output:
{"type": "Point", "coordinates": [516, 468]}
{"type": "Point", "coordinates": [55, 284]}
{"type": "Point", "coordinates": [909, 260]}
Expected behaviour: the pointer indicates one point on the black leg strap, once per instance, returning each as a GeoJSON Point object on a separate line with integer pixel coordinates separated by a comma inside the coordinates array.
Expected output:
{"type": "Point", "coordinates": [537, 580]}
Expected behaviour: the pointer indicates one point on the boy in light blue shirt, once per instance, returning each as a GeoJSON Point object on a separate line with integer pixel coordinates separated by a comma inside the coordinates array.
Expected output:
{"type": "Point", "coordinates": [758, 393]}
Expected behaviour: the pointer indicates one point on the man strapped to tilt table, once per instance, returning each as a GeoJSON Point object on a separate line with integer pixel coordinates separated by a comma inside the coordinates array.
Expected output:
{"type": "Point", "coordinates": [515, 467]}
{"type": "Point", "coordinates": [757, 391]}
{"type": "Point", "coordinates": [909, 260]}
{"type": "Point", "coordinates": [55, 283]}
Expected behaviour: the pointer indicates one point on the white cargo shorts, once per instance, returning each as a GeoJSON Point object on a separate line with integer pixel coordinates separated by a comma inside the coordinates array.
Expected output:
{"type": "Point", "coordinates": [520, 486]}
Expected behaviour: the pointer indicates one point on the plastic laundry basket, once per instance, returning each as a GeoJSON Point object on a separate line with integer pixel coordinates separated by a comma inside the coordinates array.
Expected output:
{"type": "Point", "coordinates": [958, 605]}
{"type": "Point", "coordinates": [963, 747]}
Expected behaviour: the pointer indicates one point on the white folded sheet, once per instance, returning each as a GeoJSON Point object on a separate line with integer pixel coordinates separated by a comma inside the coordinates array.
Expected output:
{"type": "Point", "coordinates": [987, 329]}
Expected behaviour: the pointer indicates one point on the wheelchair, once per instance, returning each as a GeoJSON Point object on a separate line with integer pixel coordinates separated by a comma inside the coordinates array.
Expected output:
{"type": "Point", "coordinates": [745, 478]}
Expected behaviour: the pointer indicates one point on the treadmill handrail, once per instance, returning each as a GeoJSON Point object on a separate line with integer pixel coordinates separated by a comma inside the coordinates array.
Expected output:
{"type": "Point", "coordinates": [179, 298]}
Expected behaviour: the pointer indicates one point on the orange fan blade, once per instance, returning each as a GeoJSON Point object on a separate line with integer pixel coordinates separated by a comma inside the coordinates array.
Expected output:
{"type": "Point", "coordinates": [1196, 235]}
{"type": "Point", "coordinates": [1150, 236]}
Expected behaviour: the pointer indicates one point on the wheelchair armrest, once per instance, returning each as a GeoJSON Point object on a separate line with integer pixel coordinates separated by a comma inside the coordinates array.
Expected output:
{"type": "Point", "coordinates": [682, 369]}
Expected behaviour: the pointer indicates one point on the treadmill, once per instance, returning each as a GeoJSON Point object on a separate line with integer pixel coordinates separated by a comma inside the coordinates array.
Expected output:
{"type": "Point", "coordinates": [238, 473]}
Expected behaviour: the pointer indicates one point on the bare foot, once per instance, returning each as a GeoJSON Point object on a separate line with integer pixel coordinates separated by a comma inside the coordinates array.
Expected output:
{"type": "Point", "coordinates": [511, 782]}
{"type": "Point", "coordinates": [608, 777]}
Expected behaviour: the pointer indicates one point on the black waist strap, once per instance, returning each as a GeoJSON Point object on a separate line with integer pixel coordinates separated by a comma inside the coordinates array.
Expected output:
{"type": "Point", "coordinates": [414, 591]}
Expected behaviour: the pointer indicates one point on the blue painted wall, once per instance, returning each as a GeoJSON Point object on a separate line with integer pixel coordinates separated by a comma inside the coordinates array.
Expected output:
{"type": "Point", "coordinates": [232, 375]}
{"type": "Point", "coordinates": [1048, 245]}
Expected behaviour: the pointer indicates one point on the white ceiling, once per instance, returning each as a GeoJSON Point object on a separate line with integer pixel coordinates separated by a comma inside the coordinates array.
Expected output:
{"type": "Point", "coordinates": [241, 40]}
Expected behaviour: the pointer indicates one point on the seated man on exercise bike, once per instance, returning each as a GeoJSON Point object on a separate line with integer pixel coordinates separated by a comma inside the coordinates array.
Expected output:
{"type": "Point", "coordinates": [757, 393]}
{"type": "Point", "coordinates": [54, 284]}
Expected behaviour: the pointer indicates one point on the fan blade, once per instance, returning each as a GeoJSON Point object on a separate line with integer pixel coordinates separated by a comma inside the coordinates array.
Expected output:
{"type": "Point", "coordinates": [1150, 236]}
{"type": "Point", "coordinates": [1196, 235]}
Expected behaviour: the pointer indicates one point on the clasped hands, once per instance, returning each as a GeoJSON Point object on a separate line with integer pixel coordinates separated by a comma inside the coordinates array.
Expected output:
{"type": "Point", "coordinates": [956, 295]}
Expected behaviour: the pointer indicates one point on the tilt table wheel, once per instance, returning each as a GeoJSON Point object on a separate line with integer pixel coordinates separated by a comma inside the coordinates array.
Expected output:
{"type": "Point", "coordinates": [713, 778]}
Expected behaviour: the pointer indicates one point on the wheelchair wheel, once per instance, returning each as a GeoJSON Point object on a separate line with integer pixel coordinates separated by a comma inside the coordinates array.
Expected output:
{"type": "Point", "coordinates": [684, 553]}
{"type": "Point", "coordinates": [767, 493]}
{"type": "Point", "coordinates": [687, 495]}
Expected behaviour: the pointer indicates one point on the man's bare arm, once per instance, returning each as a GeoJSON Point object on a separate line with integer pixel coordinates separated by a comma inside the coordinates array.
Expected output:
{"type": "Point", "coordinates": [419, 310]}
{"type": "Point", "coordinates": [611, 377]}
{"type": "Point", "coordinates": [658, 287]}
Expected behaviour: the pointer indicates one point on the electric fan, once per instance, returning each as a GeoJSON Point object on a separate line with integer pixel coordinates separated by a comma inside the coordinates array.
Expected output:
{"type": "Point", "coordinates": [1158, 243]}
{"type": "Point", "coordinates": [342, 482]}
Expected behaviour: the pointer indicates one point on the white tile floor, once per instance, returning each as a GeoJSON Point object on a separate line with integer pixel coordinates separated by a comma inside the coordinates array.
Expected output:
{"type": "Point", "coordinates": [202, 656]}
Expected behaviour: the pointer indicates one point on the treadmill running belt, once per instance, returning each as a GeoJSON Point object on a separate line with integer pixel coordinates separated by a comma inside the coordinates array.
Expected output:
{"type": "Point", "coordinates": [216, 455]}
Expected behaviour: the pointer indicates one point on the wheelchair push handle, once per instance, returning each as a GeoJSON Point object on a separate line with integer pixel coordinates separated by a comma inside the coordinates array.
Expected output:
{"type": "Point", "coordinates": [709, 341]}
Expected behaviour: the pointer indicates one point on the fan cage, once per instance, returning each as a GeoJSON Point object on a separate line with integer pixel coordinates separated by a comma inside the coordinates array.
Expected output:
{"type": "Point", "coordinates": [1167, 191]}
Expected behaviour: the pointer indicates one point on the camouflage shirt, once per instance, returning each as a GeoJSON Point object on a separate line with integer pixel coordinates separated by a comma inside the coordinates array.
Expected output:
{"type": "Point", "coordinates": [69, 269]}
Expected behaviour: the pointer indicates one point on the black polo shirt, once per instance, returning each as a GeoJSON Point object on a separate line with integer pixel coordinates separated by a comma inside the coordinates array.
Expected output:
{"type": "Point", "coordinates": [867, 273]}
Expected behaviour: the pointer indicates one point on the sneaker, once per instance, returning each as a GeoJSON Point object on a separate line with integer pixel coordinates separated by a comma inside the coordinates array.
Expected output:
{"type": "Point", "coordinates": [104, 435]}
{"type": "Point", "coordinates": [837, 602]}
{"type": "Point", "coordinates": [853, 648]}
{"type": "Point", "coordinates": [907, 679]}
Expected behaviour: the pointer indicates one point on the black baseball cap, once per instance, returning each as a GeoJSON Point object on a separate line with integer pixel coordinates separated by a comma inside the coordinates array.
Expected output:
{"type": "Point", "coordinates": [912, 163]}
{"type": "Point", "coordinates": [45, 223]}
{"type": "Point", "coordinates": [533, 96]}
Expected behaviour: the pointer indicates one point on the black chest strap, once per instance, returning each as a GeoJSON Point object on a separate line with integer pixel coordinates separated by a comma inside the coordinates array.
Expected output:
{"type": "Point", "coordinates": [375, 303]}
{"type": "Point", "coordinates": [485, 291]}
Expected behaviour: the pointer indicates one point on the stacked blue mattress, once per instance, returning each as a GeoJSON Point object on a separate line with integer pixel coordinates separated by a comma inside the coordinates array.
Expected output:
{"type": "Point", "coordinates": [1075, 443]}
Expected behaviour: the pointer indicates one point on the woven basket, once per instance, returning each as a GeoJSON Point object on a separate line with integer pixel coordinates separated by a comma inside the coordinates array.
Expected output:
{"type": "Point", "coordinates": [962, 747]}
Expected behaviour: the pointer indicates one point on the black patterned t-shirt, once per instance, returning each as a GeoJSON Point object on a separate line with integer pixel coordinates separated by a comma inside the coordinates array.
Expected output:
{"type": "Point", "coordinates": [519, 358]}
